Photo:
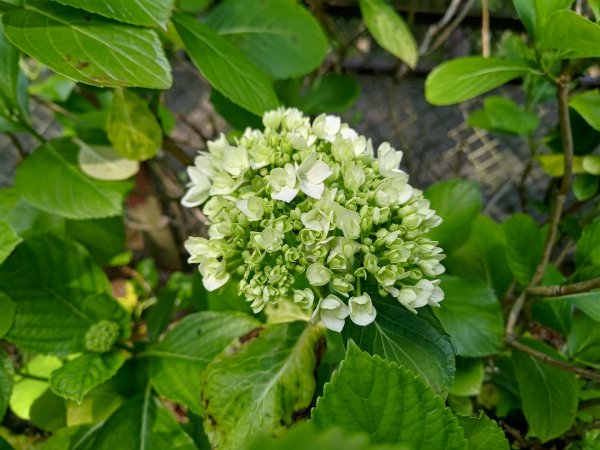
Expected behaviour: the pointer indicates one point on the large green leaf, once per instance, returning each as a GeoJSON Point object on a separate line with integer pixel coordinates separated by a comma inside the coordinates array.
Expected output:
{"type": "Point", "coordinates": [78, 376]}
{"type": "Point", "coordinates": [483, 256]}
{"type": "Point", "coordinates": [389, 30]}
{"type": "Point", "coordinates": [330, 93]}
{"type": "Point", "coordinates": [51, 180]}
{"type": "Point", "coordinates": [132, 128]}
{"type": "Point", "coordinates": [281, 37]}
{"type": "Point", "coordinates": [59, 292]}
{"type": "Point", "coordinates": [471, 314]}
{"type": "Point", "coordinates": [143, 424]}
{"type": "Point", "coordinates": [261, 383]}
{"type": "Point", "coordinates": [24, 218]}
{"type": "Point", "coordinates": [588, 302]}
{"type": "Point", "coordinates": [6, 381]}
{"type": "Point", "coordinates": [137, 12]}
{"type": "Point", "coordinates": [483, 433]}
{"type": "Point", "coordinates": [8, 240]}
{"type": "Point", "coordinates": [468, 378]}
{"type": "Point", "coordinates": [388, 402]}
{"type": "Point", "coordinates": [504, 116]}
{"type": "Point", "coordinates": [79, 437]}
{"type": "Point", "coordinates": [465, 78]}
{"type": "Point", "coordinates": [588, 246]}
{"type": "Point", "coordinates": [5, 445]}
{"type": "Point", "coordinates": [89, 48]}
{"type": "Point", "coordinates": [14, 105]}
{"type": "Point", "coordinates": [226, 67]}
{"type": "Point", "coordinates": [587, 104]}
{"type": "Point", "coordinates": [457, 202]}
{"type": "Point", "coordinates": [416, 342]}
{"type": "Point", "coordinates": [103, 238]}
{"type": "Point", "coordinates": [576, 36]}
{"type": "Point", "coordinates": [524, 246]}
{"type": "Point", "coordinates": [549, 394]}
{"type": "Point", "coordinates": [178, 361]}
{"type": "Point", "coordinates": [8, 307]}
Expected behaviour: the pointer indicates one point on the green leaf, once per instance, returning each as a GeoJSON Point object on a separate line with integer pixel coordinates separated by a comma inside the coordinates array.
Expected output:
{"type": "Point", "coordinates": [3, 444]}
{"type": "Point", "coordinates": [330, 93]}
{"type": "Point", "coordinates": [132, 128]}
{"type": "Point", "coordinates": [588, 246]}
{"type": "Point", "coordinates": [587, 104]}
{"type": "Point", "coordinates": [51, 180]}
{"type": "Point", "coordinates": [260, 383]}
{"type": "Point", "coordinates": [103, 163]}
{"type": "Point", "coordinates": [465, 78]}
{"type": "Point", "coordinates": [549, 394]}
{"type": "Point", "coordinates": [73, 438]}
{"type": "Point", "coordinates": [179, 360]}
{"type": "Point", "coordinates": [502, 115]}
{"type": "Point", "coordinates": [595, 6]}
{"type": "Point", "coordinates": [585, 186]}
{"type": "Point", "coordinates": [524, 246]}
{"type": "Point", "coordinates": [142, 424]}
{"type": "Point", "coordinates": [389, 30]}
{"type": "Point", "coordinates": [544, 10]}
{"type": "Point", "coordinates": [6, 382]}
{"type": "Point", "coordinates": [89, 48]}
{"type": "Point", "coordinates": [588, 302]}
{"type": "Point", "coordinates": [281, 37]}
{"type": "Point", "coordinates": [24, 218]}
{"type": "Point", "coordinates": [468, 378]}
{"type": "Point", "coordinates": [226, 67]}
{"type": "Point", "coordinates": [416, 342]}
{"type": "Point", "coordinates": [482, 433]}
{"type": "Point", "coordinates": [14, 102]}
{"type": "Point", "coordinates": [8, 240]}
{"type": "Point", "coordinates": [103, 238]}
{"type": "Point", "coordinates": [576, 36]}
{"type": "Point", "coordinates": [386, 401]}
{"type": "Point", "coordinates": [54, 88]}
{"type": "Point", "coordinates": [8, 307]}
{"type": "Point", "coordinates": [235, 115]}
{"type": "Point", "coordinates": [457, 202]}
{"type": "Point", "coordinates": [527, 14]}
{"type": "Point", "coordinates": [79, 376]}
{"type": "Point", "coordinates": [471, 314]}
{"type": "Point", "coordinates": [59, 292]}
{"type": "Point", "coordinates": [554, 164]}
{"type": "Point", "coordinates": [483, 256]}
{"type": "Point", "coordinates": [591, 164]}
{"type": "Point", "coordinates": [584, 338]}
{"type": "Point", "coordinates": [137, 12]}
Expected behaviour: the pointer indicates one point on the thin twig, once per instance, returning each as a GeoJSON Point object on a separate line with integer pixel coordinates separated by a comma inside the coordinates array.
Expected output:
{"type": "Point", "coordinates": [564, 289]}
{"type": "Point", "coordinates": [171, 146]}
{"type": "Point", "coordinates": [560, 197]}
{"type": "Point", "coordinates": [583, 373]}
{"type": "Point", "coordinates": [15, 140]}
{"type": "Point", "coordinates": [485, 29]}
{"type": "Point", "coordinates": [426, 42]}
{"type": "Point", "coordinates": [31, 377]}
{"type": "Point", "coordinates": [54, 107]}
{"type": "Point", "coordinates": [456, 22]}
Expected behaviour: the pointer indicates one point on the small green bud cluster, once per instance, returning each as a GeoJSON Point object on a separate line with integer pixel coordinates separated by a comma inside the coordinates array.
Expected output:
{"type": "Point", "coordinates": [101, 336]}
{"type": "Point", "coordinates": [307, 211]}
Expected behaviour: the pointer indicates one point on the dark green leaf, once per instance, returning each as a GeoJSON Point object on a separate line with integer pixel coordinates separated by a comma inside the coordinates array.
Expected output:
{"type": "Point", "coordinates": [281, 37]}
{"type": "Point", "coordinates": [54, 88]}
{"type": "Point", "coordinates": [330, 93]}
{"type": "Point", "coordinates": [483, 256]}
{"type": "Point", "coordinates": [14, 104]}
{"type": "Point", "coordinates": [386, 401]}
{"type": "Point", "coordinates": [235, 115]}
{"type": "Point", "coordinates": [51, 180]}
{"type": "Point", "coordinates": [89, 48]}
{"type": "Point", "coordinates": [588, 247]}
{"type": "Point", "coordinates": [260, 383]}
{"type": "Point", "coordinates": [132, 128]}
{"type": "Point", "coordinates": [104, 238]}
{"type": "Point", "coordinates": [8, 307]}
{"type": "Point", "coordinates": [49, 412]}
{"type": "Point", "coordinates": [143, 424]}
{"type": "Point", "coordinates": [576, 36]}
{"type": "Point", "coordinates": [389, 30]}
{"type": "Point", "coordinates": [59, 294]}
{"type": "Point", "coordinates": [3, 444]}
{"type": "Point", "coordinates": [416, 342]}
{"type": "Point", "coordinates": [24, 218]}
{"type": "Point", "coordinates": [457, 202]}
{"type": "Point", "coordinates": [137, 12]}
{"type": "Point", "coordinates": [584, 338]}
{"type": "Point", "coordinates": [483, 433]}
{"type": "Point", "coordinates": [527, 14]}
{"type": "Point", "coordinates": [6, 382]}
{"type": "Point", "coordinates": [225, 66]}
{"type": "Point", "coordinates": [466, 78]}
{"type": "Point", "coordinates": [79, 376]}
{"type": "Point", "coordinates": [504, 116]}
{"type": "Point", "coordinates": [585, 186]}
{"type": "Point", "coordinates": [549, 394]}
{"type": "Point", "coordinates": [587, 104]}
{"type": "Point", "coordinates": [73, 438]}
{"type": "Point", "coordinates": [524, 246]}
{"type": "Point", "coordinates": [178, 361]}
{"type": "Point", "coordinates": [468, 378]}
{"type": "Point", "coordinates": [471, 314]}
{"type": "Point", "coordinates": [8, 240]}
{"type": "Point", "coordinates": [588, 302]}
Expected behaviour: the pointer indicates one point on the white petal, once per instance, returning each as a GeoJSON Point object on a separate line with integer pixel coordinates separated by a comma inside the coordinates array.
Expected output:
{"type": "Point", "coordinates": [285, 195]}
{"type": "Point", "coordinates": [195, 196]}
{"type": "Point", "coordinates": [318, 172]}
{"type": "Point", "coordinates": [333, 323]}
{"type": "Point", "coordinates": [214, 283]}
{"type": "Point", "coordinates": [312, 190]}
{"type": "Point", "coordinates": [362, 318]}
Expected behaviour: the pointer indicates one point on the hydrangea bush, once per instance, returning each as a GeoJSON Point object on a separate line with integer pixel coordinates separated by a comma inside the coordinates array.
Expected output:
{"type": "Point", "coordinates": [309, 213]}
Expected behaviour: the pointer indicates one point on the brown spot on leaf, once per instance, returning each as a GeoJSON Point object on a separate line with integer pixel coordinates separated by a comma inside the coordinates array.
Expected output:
{"type": "Point", "coordinates": [212, 420]}
{"type": "Point", "coordinates": [67, 58]}
{"type": "Point", "coordinates": [82, 64]}
{"type": "Point", "coordinates": [251, 335]}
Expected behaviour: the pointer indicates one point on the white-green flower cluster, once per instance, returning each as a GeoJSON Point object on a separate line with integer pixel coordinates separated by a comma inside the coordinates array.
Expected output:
{"type": "Point", "coordinates": [309, 213]}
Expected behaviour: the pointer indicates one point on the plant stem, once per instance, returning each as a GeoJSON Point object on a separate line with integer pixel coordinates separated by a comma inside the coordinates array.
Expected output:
{"type": "Point", "coordinates": [583, 373]}
{"type": "Point", "coordinates": [31, 377]}
{"type": "Point", "coordinates": [171, 146]}
{"type": "Point", "coordinates": [559, 198]}
{"type": "Point", "coordinates": [564, 289]}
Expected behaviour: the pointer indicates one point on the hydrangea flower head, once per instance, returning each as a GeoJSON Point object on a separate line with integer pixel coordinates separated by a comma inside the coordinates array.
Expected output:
{"type": "Point", "coordinates": [307, 212]}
